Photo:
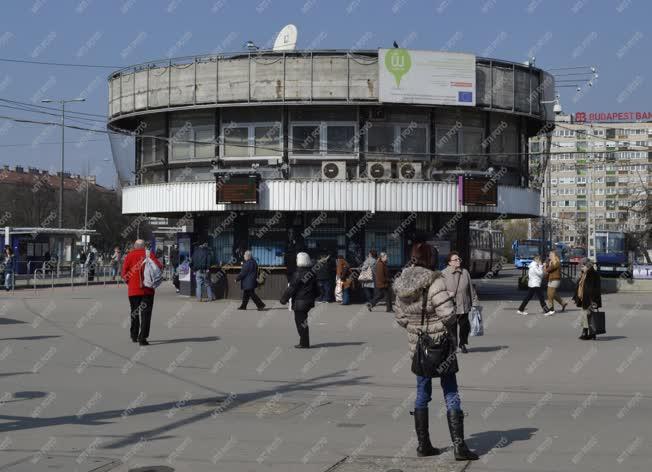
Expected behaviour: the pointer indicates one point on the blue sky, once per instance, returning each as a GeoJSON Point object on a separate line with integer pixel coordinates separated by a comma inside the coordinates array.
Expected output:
{"type": "Point", "coordinates": [612, 35]}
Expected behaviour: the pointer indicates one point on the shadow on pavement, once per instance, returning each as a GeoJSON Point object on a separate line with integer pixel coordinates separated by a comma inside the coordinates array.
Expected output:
{"type": "Point", "coordinates": [609, 338]}
{"type": "Point", "coordinates": [6, 321]}
{"type": "Point", "coordinates": [28, 338]}
{"type": "Point", "coordinates": [214, 408]}
{"type": "Point", "coordinates": [186, 340]}
{"type": "Point", "coordinates": [486, 348]}
{"type": "Point", "coordinates": [9, 374]}
{"type": "Point", "coordinates": [484, 442]}
{"type": "Point", "coordinates": [354, 343]}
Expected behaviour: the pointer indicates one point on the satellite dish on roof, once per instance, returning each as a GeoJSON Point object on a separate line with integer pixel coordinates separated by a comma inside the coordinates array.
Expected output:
{"type": "Point", "coordinates": [286, 39]}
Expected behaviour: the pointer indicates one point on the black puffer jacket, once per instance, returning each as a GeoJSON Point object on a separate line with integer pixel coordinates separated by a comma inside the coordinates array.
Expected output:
{"type": "Point", "coordinates": [303, 290]}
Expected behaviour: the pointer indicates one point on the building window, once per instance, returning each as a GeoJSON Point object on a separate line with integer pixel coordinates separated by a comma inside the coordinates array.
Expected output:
{"type": "Point", "coordinates": [404, 139]}
{"type": "Point", "coordinates": [322, 138]}
{"type": "Point", "coordinates": [192, 135]}
{"type": "Point", "coordinates": [261, 140]}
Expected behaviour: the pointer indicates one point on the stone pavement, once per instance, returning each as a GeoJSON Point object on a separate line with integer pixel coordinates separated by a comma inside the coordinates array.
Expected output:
{"type": "Point", "coordinates": [224, 390]}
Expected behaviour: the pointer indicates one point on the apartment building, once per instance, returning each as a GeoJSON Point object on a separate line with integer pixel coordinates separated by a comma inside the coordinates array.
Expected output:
{"type": "Point", "coordinates": [599, 174]}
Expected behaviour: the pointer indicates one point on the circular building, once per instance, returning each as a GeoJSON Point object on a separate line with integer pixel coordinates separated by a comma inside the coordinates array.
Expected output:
{"type": "Point", "coordinates": [327, 151]}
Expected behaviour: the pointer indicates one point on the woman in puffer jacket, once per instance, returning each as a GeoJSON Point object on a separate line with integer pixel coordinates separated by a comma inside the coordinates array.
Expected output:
{"type": "Point", "coordinates": [440, 316]}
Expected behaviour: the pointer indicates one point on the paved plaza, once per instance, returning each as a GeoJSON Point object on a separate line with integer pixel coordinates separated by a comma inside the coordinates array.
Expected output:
{"type": "Point", "coordinates": [224, 390]}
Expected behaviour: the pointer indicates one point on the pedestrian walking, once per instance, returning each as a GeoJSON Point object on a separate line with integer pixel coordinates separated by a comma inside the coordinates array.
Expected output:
{"type": "Point", "coordinates": [8, 261]}
{"type": "Point", "coordinates": [248, 282]}
{"type": "Point", "coordinates": [588, 296]}
{"type": "Point", "coordinates": [116, 257]}
{"type": "Point", "coordinates": [367, 275]}
{"type": "Point", "coordinates": [201, 263]}
{"type": "Point", "coordinates": [174, 261]}
{"type": "Point", "coordinates": [343, 279]}
{"type": "Point", "coordinates": [141, 298]}
{"type": "Point", "coordinates": [459, 286]}
{"type": "Point", "coordinates": [303, 291]}
{"type": "Point", "coordinates": [325, 272]}
{"type": "Point", "coordinates": [91, 262]}
{"type": "Point", "coordinates": [553, 270]}
{"type": "Point", "coordinates": [534, 281]}
{"type": "Point", "coordinates": [383, 284]}
{"type": "Point", "coordinates": [421, 294]}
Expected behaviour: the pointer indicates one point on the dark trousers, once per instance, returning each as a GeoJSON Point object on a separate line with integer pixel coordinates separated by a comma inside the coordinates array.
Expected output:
{"type": "Point", "coordinates": [251, 293]}
{"type": "Point", "coordinates": [301, 320]}
{"type": "Point", "coordinates": [464, 327]}
{"type": "Point", "coordinates": [327, 292]}
{"type": "Point", "coordinates": [368, 294]}
{"type": "Point", "coordinates": [532, 291]}
{"type": "Point", "coordinates": [141, 315]}
{"type": "Point", "coordinates": [381, 293]}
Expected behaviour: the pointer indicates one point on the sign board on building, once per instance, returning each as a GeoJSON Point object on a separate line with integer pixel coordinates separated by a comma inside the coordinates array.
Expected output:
{"type": "Point", "coordinates": [583, 117]}
{"type": "Point", "coordinates": [237, 189]}
{"type": "Point", "coordinates": [476, 191]}
{"type": "Point", "coordinates": [427, 77]}
{"type": "Point", "coordinates": [642, 271]}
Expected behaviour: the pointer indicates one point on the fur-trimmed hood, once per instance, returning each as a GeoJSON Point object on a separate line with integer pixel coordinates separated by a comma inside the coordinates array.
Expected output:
{"type": "Point", "coordinates": [412, 281]}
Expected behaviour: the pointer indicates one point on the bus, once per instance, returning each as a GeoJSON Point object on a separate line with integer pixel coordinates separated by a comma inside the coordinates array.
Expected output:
{"type": "Point", "coordinates": [525, 250]}
{"type": "Point", "coordinates": [610, 253]}
{"type": "Point", "coordinates": [486, 251]}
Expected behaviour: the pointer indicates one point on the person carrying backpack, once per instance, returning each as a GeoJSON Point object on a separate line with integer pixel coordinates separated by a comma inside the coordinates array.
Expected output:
{"type": "Point", "coordinates": [141, 287]}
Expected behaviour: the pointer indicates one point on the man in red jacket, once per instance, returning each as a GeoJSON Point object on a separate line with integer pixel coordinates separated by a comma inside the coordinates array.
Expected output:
{"type": "Point", "coordinates": [141, 298]}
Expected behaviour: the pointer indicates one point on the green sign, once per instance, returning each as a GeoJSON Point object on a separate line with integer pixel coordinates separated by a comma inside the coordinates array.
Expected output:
{"type": "Point", "coordinates": [398, 63]}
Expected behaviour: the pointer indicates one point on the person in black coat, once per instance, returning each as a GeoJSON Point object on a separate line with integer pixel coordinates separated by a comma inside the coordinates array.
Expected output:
{"type": "Point", "coordinates": [303, 290]}
{"type": "Point", "coordinates": [588, 296]}
{"type": "Point", "coordinates": [248, 283]}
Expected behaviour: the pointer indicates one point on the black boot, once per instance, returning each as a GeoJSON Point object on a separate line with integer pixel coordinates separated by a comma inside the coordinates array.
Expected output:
{"type": "Point", "coordinates": [585, 334]}
{"type": "Point", "coordinates": [456, 428]}
{"type": "Point", "coordinates": [591, 334]}
{"type": "Point", "coordinates": [425, 448]}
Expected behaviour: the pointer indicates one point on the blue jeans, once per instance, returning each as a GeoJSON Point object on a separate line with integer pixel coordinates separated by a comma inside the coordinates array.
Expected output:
{"type": "Point", "coordinates": [202, 278]}
{"type": "Point", "coordinates": [368, 294]}
{"type": "Point", "coordinates": [346, 296]}
{"type": "Point", "coordinates": [8, 276]}
{"type": "Point", "coordinates": [449, 387]}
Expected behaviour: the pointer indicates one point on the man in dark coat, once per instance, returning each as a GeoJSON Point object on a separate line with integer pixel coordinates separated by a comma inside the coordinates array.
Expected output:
{"type": "Point", "coordinates": [248, 283]}
{"type": "Point", "coordinates": [325, 272]}
{"type": "Point", "coordinates": [303, 291]}
{"type": "Point", "coordinates": [201, 264]}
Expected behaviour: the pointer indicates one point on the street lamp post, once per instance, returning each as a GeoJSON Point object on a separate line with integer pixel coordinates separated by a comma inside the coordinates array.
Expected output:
{"type": "Point", "coordinates": [62, 102]}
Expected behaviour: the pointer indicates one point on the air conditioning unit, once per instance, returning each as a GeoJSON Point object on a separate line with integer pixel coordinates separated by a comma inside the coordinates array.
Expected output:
{"type": "Point", "coordinates": [379, 170]}
{"type": "Point", "coordinates": [410, 171]}
{"type": "Point", "coordinates": [333, 170]}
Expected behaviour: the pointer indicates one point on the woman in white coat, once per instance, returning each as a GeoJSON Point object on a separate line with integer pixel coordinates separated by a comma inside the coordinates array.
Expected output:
{"type": "Point", "coordinates": [535, 279]}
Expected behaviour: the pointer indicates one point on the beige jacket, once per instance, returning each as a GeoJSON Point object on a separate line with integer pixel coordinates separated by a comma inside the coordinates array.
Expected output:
{"type": "Point", "coordinates": [466, 296]}
{"type": "Point", "coordinates": [409, 288]}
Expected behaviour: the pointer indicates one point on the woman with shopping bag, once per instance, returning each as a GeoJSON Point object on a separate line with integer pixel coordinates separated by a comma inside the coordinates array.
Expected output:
{"type": "Point", "coordinates": [588, 297]}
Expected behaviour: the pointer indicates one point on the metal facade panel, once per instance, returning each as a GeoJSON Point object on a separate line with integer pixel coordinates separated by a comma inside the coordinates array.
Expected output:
{"type": "Point", "coordinates": [182, 84]}
{"type": "Point", "coordinates": [141, 89]}
{"type": "Point", "coordinates": [159, 81]}
{"type": "Point", "coordinates": [206, 82]}
{"type": "Point", "coordinates": [278, 195]}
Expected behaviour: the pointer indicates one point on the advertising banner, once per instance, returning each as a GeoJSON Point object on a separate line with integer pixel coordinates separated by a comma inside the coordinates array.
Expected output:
{"type": "Point", "coordinates": [426, 77]}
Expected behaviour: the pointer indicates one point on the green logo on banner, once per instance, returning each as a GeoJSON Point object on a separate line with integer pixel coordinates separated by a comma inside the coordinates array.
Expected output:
{"type": "Point", "coordinates": [398, 63]}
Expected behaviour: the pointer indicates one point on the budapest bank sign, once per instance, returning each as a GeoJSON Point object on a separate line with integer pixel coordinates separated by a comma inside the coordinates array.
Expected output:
{"type": "Point", "coordinates": [582, 116]}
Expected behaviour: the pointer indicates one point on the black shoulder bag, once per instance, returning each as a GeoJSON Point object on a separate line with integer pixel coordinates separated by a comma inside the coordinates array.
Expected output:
{"type": "Point", "coordinates": [433, 357]}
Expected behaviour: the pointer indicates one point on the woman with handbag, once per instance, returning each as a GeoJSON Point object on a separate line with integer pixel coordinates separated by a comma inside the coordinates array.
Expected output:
{"type": "Point", "coordinates": [366, 277]}
{"type": "Point", "coordinates": [303, 290]}
{"type": "Point", "coordinates": [588, 297]}
{"type": "Point", "coordinates": [459, 286]}
{"type": "Point", "coordinates": [553, 270]}
{"type": "Point", "coordinates": [427, 311]}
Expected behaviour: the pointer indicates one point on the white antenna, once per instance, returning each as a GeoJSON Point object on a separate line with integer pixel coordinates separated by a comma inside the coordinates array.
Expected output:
{"type": "Point", "coordinates": [286, 39]}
